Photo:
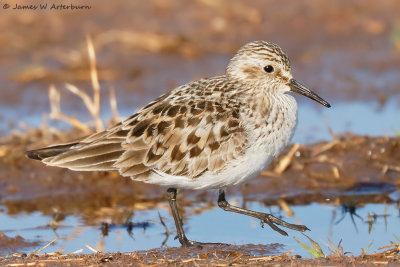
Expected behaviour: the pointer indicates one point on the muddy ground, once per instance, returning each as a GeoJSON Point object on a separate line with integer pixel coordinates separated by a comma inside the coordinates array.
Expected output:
{"type": "Point", "coordinates": [211, 256]}
{"type": "Point", "coordinates": [347, 164]}
{"type": "Point", "coordinates": [345, 50]}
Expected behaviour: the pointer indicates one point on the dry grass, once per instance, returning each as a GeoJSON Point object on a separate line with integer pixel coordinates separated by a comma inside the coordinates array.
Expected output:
{"type": "Point", "coordinates": [228, 256]}
{"type": "Point", "coordinates": [44, 247]}
{"type": "Point", "coordinates": [283, 163]}
{"type": "Point", "coordinates": [46, 134]}
{"type": "Point", "coordinates": [57, 114]}
{"type": "Point", "coordinates": [92, 103]}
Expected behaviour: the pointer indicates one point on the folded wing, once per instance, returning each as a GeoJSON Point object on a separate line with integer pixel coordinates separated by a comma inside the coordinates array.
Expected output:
{"type": "Point", "coordinates": [182, 139]}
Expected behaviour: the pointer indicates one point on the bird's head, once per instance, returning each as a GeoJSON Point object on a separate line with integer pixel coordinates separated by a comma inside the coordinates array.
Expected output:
{"type": "Point", "coordinates": [265, 66]}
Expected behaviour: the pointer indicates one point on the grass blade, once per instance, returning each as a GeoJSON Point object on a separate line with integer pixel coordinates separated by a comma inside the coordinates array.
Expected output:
{"type": "Point", "coordinates": [315, 250]}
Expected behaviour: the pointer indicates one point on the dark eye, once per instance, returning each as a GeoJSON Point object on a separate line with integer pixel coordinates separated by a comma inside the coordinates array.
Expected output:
{"type": "Point", "coordinates": [269, 69]}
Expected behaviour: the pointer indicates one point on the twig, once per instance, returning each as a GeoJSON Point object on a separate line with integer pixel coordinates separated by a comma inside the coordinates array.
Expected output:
{"type": "Point", "coordinates": [265, 258]}
{"type": "Point", "coordinates": [391, 167]}
{"type": "Point", "coordinates": [77, 251]}
{"type": "Point", "coordinates": [55, 111]}
{"type": "Point", "coordinates": [236, 259]}
{"type": "Point", "coordinates": [92, 105]}
{"type": "Point", "coordinates": [335, 171]}
{"type": "Point", "coordinates": [285, 206]}
{"type": "Point", "coordinates": [90, 248]}
{"type": "Point", "coordinates": [95, 83]}
{"type": "Point", "coordinates": [113, 105]}
{"type": "Point", "coordinates": [268, 258]}
{"type": "Point", "coordinates": [331, 133]}
{"type": "Point", "coordinates": [270, 174]}
{"type": "Point", "coordinates": [320, 149]}
{"type": "Point", "coordinates": [189, 260]}
{"type": "Point", "coordinates": [166, 230]}
{"type": "Point", "coordinates": [42, 248]}
{"type": "Point", "coordinates": [389, 246]}
{"type": "Point", "coordinates": [286, 160]}
{"type": "Point", "coordinates": [363, 252]}
{"type": "Point", "coordinates": [85, 98]}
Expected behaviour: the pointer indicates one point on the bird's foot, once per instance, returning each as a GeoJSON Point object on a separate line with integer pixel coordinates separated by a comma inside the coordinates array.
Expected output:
{"type": "Point", "coordinates": [194, 244]}
{"type": "Point", "coordinates": [189, 243]}
{"type": "Point", "coordinates": [272, 220]}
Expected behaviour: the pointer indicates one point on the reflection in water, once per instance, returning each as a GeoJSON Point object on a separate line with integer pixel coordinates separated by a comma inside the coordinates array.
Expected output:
{"type": "Point", "coordinates": [349, 208]}
{"type": "Point", "coordinates": [376, 222]}
{"type": "Point", "coordinates": [129, 226]}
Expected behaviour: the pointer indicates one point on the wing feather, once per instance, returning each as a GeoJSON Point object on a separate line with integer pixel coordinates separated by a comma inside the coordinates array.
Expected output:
{"type": "Point", "coordinates": [181, 134]}
{"type": "Point", "coordinates": [177, 138]}
{"type": "Point", "coordinates": [85, 162]}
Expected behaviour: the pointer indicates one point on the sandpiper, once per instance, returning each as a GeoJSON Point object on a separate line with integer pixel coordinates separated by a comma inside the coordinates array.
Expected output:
{"type": "Point", "coordinates": [206, 134]}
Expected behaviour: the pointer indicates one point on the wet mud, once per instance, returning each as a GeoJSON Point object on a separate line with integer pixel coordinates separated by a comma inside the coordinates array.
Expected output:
{"type": "Point", "coordinates": [350, 165]}
{"type": "Point", "coordinates": [10, 245]}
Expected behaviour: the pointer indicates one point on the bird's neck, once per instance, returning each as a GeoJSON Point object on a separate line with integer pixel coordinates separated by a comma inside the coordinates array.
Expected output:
{"type": "Point", "coordinates": [261, 100]}
{"type": "Point", "coordinates": [256, 101]}
{"type": "Point", "coordinates": [265, 103]}
{"type": "Point", "coordinates": [272, 120]}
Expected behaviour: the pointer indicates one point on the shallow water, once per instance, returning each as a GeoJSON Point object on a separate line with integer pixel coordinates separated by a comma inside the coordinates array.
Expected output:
{"type": "Point", "coordinates": [325, 220]}
{"type": "Point", "coordinates": [363, 118]}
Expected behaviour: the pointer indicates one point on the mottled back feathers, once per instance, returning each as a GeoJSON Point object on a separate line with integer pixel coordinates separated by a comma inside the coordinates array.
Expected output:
{"type": "Point", "coordinates": [176, 134]}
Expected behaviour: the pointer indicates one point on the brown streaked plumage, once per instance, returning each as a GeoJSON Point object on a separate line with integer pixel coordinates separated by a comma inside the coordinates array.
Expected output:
{"type": "Point", "coordinates": [177, 135]}
{"type": "Point", "coordinates": [209, 133]}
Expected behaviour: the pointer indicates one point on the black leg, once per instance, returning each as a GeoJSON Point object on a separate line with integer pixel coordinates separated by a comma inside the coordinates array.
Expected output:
{"type": "Point", "coordinates": [178, 222]}
{"type": "Point", "coordinates": [264, 217]}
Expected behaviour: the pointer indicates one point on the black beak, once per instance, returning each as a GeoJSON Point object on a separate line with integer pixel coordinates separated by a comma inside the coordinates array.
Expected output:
{"type": "Point", "coordinates": [301, 89]}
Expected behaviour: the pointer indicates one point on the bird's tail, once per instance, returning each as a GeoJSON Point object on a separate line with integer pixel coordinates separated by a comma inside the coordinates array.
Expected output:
{"type": "Point", "coordinates": [48, 152]}
{"type": "Point", "coordinates": [92, 153]}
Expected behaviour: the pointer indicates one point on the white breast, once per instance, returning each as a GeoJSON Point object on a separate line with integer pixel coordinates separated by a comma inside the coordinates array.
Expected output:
{"type": "Point", "coordinates": [267, 141]}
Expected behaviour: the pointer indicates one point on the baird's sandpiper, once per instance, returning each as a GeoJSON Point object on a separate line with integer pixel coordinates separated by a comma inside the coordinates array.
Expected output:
{"type": "Point", "coordinates": [206, 134]}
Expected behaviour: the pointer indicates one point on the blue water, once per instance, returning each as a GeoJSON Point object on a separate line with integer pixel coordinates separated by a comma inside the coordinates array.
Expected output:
{"type": "Point", "coordinates": [361, 118]}
{"type": "Point", "coordinates": [216, 225]}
